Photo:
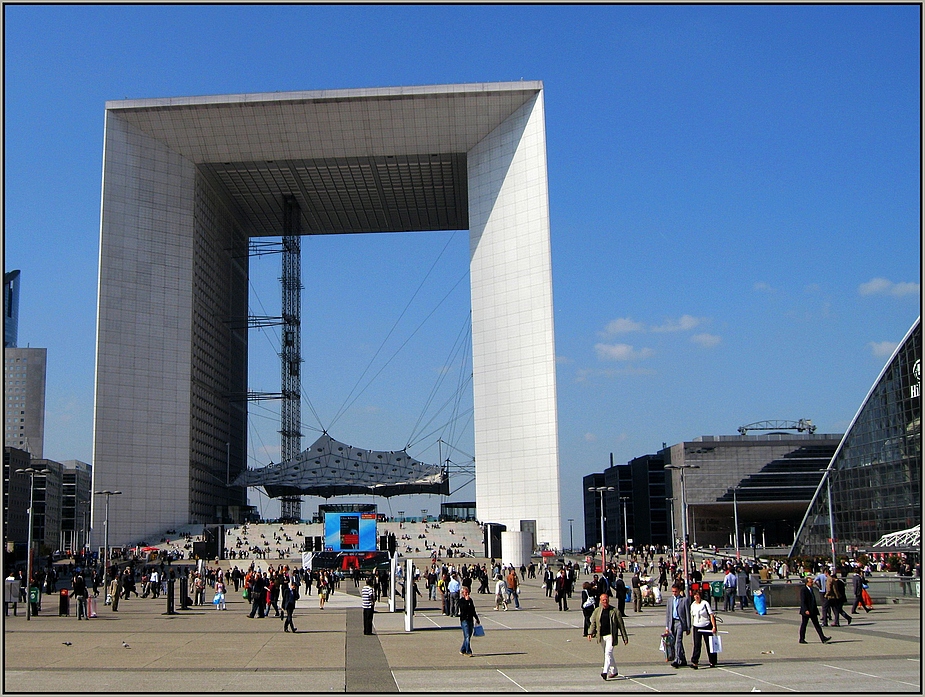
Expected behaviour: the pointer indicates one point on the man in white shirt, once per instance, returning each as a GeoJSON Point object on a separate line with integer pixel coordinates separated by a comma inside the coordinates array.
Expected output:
{"type": "Point", "coordinates": [453, 588]}
{"type": "Point", "coordinates": [729, 591]}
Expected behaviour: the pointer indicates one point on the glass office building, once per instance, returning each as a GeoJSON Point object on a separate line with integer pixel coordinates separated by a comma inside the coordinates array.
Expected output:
{"type": "Point", "coordinates": [876, 472]}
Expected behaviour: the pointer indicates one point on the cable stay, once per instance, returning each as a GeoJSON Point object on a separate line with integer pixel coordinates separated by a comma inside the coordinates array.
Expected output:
{"type": "Point", "coordinates": [459, 350]}
{"type": "Point", "coordinates": [347, 405]}
{"type": "Point", "coordinates": [465, 377]}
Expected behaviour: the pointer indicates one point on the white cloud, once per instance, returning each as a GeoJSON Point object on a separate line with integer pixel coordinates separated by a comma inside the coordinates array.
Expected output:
{"type": "Point", "coordinates": [706, 340]}
{"type": "Point", "coordinates": [882, 349]}
{"type": "Point", "coordinates": [686, 323]}
{"type": "Point", "coordinates": [621, 352]}
{"type": "Point", "coordinates": [590, 437]}
{"type": "Point", "coordinates": [901, 289]}
{"type": "Point", "coordinates": [884, 286]}
{"type": "Point", "coordinates": [591, 376]}
{"type": "Point", "coordinates": [623, 326]}
{"type": "Point", "coordinates": [762, 287]}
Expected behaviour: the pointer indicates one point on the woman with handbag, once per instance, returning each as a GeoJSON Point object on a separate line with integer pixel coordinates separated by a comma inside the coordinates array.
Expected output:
{"type": "Point", "coordinates": [324, 588]}
{"type": "Point", "coordinates": [500, 586]}
{"type": "Point", "coordinates": [468, 619]}
{"type": "Point", "coordinates": [587, 605]}
{"type": "Point", "coordinates": [219, 599]}
{"type": "Point", "coordinates": [703, 624]}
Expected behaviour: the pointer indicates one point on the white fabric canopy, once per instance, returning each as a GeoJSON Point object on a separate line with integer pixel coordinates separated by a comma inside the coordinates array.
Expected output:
{"type": "Point", "coordinates": [331, 468]}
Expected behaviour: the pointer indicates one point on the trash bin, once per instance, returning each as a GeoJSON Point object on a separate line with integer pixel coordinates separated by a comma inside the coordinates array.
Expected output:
{"type": "Point", "coordinates": [34, 599]}
{"type": "Point", "coordinates": [761, 604]}
{"type": "Point", "coordinates": [64, 604]}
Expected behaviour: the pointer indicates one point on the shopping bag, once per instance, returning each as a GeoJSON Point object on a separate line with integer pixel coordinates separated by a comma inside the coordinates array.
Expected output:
{"type": "Point", "coordinates": [716, 643]}
{"type": "Point", "coordinates": [91, 607]}
{"type": "Point", "coordinates": [867, 599]}
{"type": "Point", "coordinates": [479, 630]}
{"type": "Point", "coordinates": [668, 646]}
{"type": "Point", "coordinates": [245, 594]}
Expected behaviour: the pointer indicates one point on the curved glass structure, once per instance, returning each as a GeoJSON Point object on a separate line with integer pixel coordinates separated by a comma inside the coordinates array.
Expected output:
{"type": "Point", "coordinates": [876, 473]}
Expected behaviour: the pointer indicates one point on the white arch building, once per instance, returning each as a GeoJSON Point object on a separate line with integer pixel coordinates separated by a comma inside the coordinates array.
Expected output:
{"type": "Point", "coordinates": [186, 183]}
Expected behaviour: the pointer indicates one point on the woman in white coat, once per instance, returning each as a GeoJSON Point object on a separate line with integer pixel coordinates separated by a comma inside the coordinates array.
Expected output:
{"type": "Point", "coordinates": [703, 624]}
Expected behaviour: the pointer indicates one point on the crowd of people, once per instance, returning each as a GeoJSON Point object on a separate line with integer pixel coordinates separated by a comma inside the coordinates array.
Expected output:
{"type": "Point", "coordinates": [642, 579]}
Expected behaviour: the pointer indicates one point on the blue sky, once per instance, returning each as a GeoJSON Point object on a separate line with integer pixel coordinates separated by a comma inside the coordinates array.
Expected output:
{"type": "Point", "coordinates": [734, 196]}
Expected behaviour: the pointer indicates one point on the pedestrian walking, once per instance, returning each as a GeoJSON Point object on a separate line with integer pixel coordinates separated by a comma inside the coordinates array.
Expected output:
{"type": "Point", "coordinates": [677, 622]}
{"type": "Point", "coordinates": [729, 589]}
{"type": "Point", "coordinates": [257, 592]}
{"type": "Point", "coordinates": [838, 605]}
{"type": "Point", "coordinates": [636, 585]}
{"type": "Point", "coordinates": [368, 594]}
{"type": "Point", "coordinates": [513, 588]}
{"type": "Point", "coordinates": [454, 588]}
{"type": "Point", "coordinates": [587, 605]}
{"type": "Point", "coordinates": [80, 595]}
{"type": "Point", "coordinates": [809, 611]}
{"type": "Point", "coordinates": [468, 618]}
{"type": "Point", "coordinates": [561, 588]}
{"type": "Point", "coordinates": [500, 602]}
{"type": "Point", "coordinates": [290, 595]}
{"type": "Point", "coordinates": [605, 623]}
{"type": "Point", "coordinates": [703, 624]}
{"type": "Point", "coordinates": [219, 599]}
{"type": "Point", "coordinates": [859, 586]}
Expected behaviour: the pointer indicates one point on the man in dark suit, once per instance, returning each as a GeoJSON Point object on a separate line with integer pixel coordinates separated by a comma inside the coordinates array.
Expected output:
{"type": "Point", "coordinates": [678, 622]}
{"type": "Point", "coordinates": [620, 591]}
{"type": "Point", "coordinates": [858, 588]}
{"type": "Point", "coordinates": [809, 611]}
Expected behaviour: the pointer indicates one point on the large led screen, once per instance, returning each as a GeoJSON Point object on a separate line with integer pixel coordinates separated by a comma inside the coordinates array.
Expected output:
{"type": "Point", "coordinates": [350, 532]}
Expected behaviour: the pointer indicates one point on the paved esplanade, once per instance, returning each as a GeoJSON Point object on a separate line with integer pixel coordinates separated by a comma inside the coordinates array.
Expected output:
{"type": "Point", "coordinates": [536, 649]}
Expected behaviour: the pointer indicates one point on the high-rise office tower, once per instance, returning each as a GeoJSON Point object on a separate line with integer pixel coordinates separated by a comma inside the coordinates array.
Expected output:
{"type": "Point", "coordinates": [24, 397]}
{"type": "Point", "coordinates": [10, 308]}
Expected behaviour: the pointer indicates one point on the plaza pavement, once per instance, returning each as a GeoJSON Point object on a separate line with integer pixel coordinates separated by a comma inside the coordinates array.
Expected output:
{"type": "Point", "coordinates": [535, 649]}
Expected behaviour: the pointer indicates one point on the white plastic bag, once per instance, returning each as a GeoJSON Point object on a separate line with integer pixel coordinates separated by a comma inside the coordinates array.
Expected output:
{"type": "Point", "coordinates": [716, 643]}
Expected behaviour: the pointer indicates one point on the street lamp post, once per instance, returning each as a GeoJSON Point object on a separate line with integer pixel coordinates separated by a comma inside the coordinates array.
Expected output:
{"type": "Point", "coordinates": [600, 490]}
{"type": "Point", "coordinates": [626, 533]}
{"type": "Point", "coordinates": [735, 512]}
{"type": "Point", "coordinates": [571, 541]}
{"type": "Point", "coordinates": [84, 533]}
{"type": "Point", "coordinates": [670, 500]}
{"type": "Point", "coordinates": [684, 542]}
{"type": "Point", "coordinates": [31, 471]}
{"type": "Point", "coordinates": [107, 493]}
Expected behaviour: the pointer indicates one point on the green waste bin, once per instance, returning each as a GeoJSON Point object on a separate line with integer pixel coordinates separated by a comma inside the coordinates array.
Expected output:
{"type": "Point", "coordinates": [33, 594]}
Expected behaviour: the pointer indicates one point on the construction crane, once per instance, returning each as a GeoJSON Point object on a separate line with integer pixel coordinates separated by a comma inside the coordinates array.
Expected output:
{"type": "Point", "coordinates": [801, 425]}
